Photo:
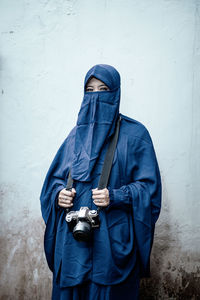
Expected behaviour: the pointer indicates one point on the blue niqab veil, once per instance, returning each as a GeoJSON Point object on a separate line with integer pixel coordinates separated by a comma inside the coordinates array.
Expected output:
{"type": "Point", "coordinates": [96, 121]}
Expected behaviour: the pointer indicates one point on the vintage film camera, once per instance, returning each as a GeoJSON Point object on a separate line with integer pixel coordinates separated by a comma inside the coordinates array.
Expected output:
{"type": "Point", "coordinates": [81, 223]}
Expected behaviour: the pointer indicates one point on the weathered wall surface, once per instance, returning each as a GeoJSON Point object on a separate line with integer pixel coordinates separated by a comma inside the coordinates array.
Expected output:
{"type": "Point", "coordinates": [46, 48]}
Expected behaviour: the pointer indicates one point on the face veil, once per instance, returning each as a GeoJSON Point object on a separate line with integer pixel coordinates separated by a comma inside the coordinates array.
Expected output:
{"type": "Point", "coordinates": [96, 121]}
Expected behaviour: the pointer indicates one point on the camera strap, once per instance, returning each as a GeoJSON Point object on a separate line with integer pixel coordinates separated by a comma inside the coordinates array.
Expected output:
{"type": "Point", "coordinates": [107, 165]}
{"type": "Point", "coordinates": [70, 182]}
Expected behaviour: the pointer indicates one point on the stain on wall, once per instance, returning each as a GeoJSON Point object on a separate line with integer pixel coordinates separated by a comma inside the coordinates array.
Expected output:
{"type": "Point", "coordinates": [175, 274]}
{"type": "Point", "coordinates": [24, 274]}
{"type": "Point", "coordinates": [46, 48]}
{"type": "Point", "coordinates": [23, 270]}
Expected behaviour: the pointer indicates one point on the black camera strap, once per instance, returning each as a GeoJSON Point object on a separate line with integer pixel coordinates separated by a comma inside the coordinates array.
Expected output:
{"type": "Point", "coordinates": [107, 165]}
{"type": "Point", "coordinates": [70, 182]}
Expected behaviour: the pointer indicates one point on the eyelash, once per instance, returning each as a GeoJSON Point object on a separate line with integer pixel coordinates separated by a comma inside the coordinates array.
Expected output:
{"type": "Point", "coordinates": [104, 89]}
{"type": "Point", "coordinates": [101, 89]}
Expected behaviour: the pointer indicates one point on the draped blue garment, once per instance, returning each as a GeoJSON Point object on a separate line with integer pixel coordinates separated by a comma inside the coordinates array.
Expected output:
{"type": "Point", "coordinates": [127, 224]}
{"type": "Point", "coordinates": [92, 291]}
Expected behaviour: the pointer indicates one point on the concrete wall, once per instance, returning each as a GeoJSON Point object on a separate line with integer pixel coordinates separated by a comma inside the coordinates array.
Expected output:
{"type": "Point", "coordinates": [46, 48]}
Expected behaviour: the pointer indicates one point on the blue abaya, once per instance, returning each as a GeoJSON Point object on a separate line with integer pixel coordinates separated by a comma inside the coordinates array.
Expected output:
{"type": "Point", "coordinates": [110, 264]}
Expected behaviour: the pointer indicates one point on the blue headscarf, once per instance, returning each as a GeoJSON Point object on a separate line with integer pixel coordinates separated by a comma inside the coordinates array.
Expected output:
{"type": "Point", "coordinates": [96, 121]}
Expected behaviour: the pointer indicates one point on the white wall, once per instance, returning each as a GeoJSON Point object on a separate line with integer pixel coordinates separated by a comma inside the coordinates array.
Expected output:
{"type": "Point", "coordinates": [46, 49]}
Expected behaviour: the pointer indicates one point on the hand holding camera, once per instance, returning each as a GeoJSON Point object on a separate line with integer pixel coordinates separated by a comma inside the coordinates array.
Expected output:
{"type": "Point", "coordinates": [65, 198]}
{"type": "Point", "coordinates": [82, 221]}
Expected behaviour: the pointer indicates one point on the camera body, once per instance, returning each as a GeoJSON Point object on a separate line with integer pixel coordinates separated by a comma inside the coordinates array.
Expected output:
{"type": "Point", "coordinates": [81, 222]}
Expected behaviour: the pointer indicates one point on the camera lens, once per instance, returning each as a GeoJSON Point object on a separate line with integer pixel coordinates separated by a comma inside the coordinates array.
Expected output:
{"type": "Point", "coordinates": [82, 231]}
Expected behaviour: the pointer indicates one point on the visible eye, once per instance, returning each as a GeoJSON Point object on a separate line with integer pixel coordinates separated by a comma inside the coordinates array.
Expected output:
{"type": "Point", "coordinates": [89, 89]}
{"type": "Point", "coordinates": [104, 88]}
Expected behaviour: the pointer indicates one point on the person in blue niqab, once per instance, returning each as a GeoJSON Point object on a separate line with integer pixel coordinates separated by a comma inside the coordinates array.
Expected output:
{"type": "Point", "coordinates": [109, 265]}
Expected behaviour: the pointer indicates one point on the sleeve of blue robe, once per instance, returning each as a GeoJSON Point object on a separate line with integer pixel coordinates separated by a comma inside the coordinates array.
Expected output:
{"type": "Point", "coordinates": [143, 194]}
{"type": "Point", "coordinates": [55, 181]}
